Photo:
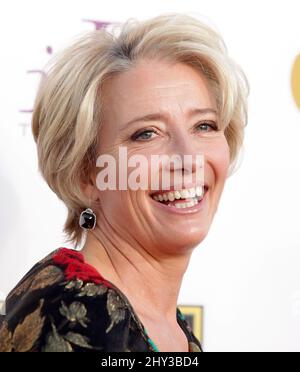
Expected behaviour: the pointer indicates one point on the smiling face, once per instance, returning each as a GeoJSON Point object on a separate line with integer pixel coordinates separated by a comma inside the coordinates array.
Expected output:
{"type": "Point", "coordinates": [161, 221]}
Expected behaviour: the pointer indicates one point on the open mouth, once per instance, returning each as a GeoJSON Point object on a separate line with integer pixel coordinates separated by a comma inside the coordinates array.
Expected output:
{"type": "Point", "coordinates": [181, 199]}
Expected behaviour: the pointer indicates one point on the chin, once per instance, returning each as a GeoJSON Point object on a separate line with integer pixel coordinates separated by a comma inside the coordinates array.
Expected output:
{"type": "Point", "coordinates": [182, 242]}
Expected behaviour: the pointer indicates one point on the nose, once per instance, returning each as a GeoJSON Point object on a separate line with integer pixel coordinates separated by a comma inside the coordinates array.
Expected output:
{"type": "Point", "coordinates": [186, 157]}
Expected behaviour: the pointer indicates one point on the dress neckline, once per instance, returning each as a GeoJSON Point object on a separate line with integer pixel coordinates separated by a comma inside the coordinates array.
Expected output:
{"type": "Point", "coordinates": [86, 272]}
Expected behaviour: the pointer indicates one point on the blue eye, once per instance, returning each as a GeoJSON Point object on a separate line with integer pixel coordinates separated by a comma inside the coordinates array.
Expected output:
{"type": "Point", "coordinates": [144, 135]}
{"type": "Point", "coordinates": [207, 127]}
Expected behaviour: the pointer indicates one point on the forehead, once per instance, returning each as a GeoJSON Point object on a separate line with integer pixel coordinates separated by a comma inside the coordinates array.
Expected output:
{"type": "Point", "coordinates": [155, 85]}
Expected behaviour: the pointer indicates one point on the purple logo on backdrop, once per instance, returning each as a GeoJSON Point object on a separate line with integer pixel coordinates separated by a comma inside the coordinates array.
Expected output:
{"type": "Point", "coordinates": [49, 50]}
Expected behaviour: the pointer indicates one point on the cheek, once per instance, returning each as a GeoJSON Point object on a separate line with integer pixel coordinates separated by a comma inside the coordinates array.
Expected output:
{"type": "Point", "coordinates": [218, 156]}
{"type": "Point", "coordinates": [116, 206]}
{"type": "Point", "coordinates": [141, 173]}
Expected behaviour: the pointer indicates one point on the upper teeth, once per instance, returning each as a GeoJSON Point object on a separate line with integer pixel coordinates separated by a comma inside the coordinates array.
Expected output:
{"type": "Point", "coordinates": [180, 194]}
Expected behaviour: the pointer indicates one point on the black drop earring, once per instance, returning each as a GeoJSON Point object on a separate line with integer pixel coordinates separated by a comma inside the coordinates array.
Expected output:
{"type": "Point", "coordinates": [87, 219]}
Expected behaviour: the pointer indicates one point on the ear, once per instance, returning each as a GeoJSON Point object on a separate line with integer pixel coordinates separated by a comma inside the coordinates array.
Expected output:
{"type": "Point", "coordinates": [90, 190]}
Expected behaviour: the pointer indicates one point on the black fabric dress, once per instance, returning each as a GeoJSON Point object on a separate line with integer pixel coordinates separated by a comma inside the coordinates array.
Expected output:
{"type": "Point", "coordinates": [63, 304]}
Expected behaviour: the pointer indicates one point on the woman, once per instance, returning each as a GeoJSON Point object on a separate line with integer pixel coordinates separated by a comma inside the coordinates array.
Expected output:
{"type": "Point", "coordinates": [119, 293]}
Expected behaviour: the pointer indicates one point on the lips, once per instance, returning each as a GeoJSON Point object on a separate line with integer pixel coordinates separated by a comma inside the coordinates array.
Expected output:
{"type": "Point", "coordinates": [181, 199]}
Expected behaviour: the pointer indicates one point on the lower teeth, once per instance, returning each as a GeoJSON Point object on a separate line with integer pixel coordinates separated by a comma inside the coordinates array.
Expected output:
{"type": "Point", "coordinates": [190, 204]}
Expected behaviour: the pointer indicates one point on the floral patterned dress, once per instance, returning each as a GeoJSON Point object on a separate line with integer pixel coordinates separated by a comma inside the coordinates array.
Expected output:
{"type": "Point", "coordinates": [63, 304]}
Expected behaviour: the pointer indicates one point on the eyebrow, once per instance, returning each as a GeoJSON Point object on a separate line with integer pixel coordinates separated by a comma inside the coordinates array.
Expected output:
{"type": "Point", "coordinates": [164, 116]}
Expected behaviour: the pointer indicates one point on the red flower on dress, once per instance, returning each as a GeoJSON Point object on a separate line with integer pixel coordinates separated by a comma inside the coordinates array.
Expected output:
{"type": "Point", "coordinates": [76, 268]}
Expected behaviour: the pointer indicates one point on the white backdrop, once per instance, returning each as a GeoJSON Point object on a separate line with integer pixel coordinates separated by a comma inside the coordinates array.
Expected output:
{"type": "Point", "coordinates": [247, 272]}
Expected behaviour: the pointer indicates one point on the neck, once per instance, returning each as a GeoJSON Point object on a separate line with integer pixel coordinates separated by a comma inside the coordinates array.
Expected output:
{"type": "Point", "coordinates": [150, 281]}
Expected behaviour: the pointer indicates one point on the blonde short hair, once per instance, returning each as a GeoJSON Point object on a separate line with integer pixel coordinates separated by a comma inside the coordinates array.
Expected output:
{"type": "Point", "coordinates": [66, 116]}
